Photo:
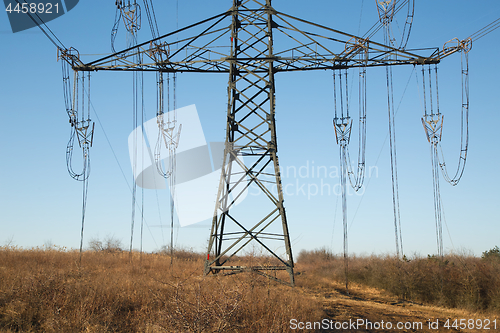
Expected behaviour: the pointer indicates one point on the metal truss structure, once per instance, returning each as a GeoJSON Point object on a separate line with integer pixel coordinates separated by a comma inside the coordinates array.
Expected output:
{"type": "Point", "coordinates": [252, 42]}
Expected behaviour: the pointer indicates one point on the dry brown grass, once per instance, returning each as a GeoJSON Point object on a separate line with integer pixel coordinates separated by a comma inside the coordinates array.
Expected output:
{"type": "Point", "coordinates": [48, 291]}
{"type": "Point", "coordinates": [458, 281]}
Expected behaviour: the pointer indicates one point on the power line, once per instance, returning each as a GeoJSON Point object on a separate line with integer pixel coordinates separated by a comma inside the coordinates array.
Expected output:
{"type": "Point", "coordinates": [39, 23]}
{"type": "Point", "coordinates": [381, 148]}
{"type": "Point", "coordinates": [124, 177]}
{"type": "Point", "coordinates": [485, 30]}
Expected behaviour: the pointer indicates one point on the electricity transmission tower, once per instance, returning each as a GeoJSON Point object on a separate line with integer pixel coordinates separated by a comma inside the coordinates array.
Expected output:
{"type": "Point", "coordinates": [253, 43]}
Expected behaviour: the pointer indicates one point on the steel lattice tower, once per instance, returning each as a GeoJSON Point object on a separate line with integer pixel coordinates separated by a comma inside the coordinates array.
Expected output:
{"type": "Point", "coordinates": [250, 133]}
{"type": "Point", "coordinates": [252, 60]}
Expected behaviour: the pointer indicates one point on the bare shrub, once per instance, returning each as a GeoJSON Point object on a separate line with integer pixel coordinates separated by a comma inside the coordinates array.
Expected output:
{"type": "Point", "coordinates": [181, 253]}
{"type": "Point", "coordinates": [95, 244]}
{"type": "Point", "coordinates": [109, 244]}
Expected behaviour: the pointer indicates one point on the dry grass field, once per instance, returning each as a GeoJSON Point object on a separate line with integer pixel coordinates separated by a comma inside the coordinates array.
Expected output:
{"type": "Point", "coordinates": [49, 291]}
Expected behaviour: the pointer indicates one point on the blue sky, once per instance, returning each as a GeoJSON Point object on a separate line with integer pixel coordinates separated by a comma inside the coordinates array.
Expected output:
{"type": "Point", "coordinates": [40, 203]}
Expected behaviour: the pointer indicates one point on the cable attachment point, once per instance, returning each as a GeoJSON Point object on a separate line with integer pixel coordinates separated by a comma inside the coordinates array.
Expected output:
{"type": "Point", "coordinates": [169, 131]}
{"type": "Point", "coordinates": [131, 14]}
{"type": "Point", "coordinates": [343, 127]}
{"type": "Point", "coordinates": [433, 126]}
{"type": "Point", "coordinates": [168, 136]}
{"type": "Point", "coordinates": [386, 10]}
{"type": "Point", "coordinates": [159, 52]}
{"type": "Point", "coordinates": [456, 45]}
{"type": "Point", "coordinates": [85, 133]}
{"type": "Point", "coordinates": [355, 46]}
{"type": "Point", "coordinates": [71, 56]}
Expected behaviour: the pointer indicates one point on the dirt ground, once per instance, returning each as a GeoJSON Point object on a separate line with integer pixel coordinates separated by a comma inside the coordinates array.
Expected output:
{"type": "Point", "coordinates": [366, 309]}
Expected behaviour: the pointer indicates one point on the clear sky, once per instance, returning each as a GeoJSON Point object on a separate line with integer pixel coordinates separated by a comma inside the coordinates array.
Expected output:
{"type": "Point", "coordinates": [40, 203]}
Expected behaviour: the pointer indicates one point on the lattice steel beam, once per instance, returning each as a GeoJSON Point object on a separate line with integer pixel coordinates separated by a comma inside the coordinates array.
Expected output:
{"type": "Point", "coordinates": [312, 47]}
{"type": "Point", "coordinates": [250, 134]}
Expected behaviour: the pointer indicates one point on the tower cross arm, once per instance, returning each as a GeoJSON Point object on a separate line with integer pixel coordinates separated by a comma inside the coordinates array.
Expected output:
{"type": "Point", "coordinates": [201, 60]}
{"type": "Point", "coordinates": [298, 45]}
